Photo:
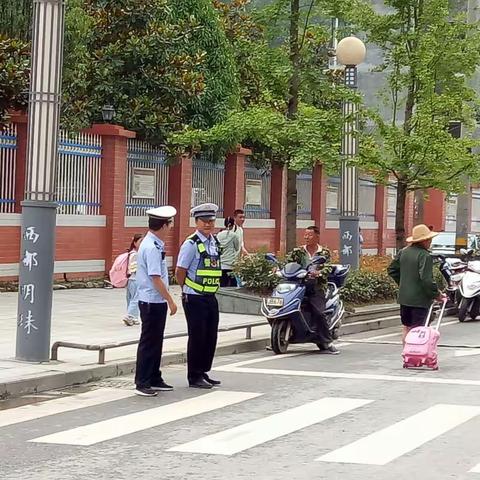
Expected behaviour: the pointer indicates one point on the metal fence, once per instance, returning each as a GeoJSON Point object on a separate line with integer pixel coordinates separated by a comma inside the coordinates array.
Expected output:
{"type": "Point", "coordinates": [147, 178]}
{"type": "Point", "coordinates": [8, 158]}
{"type": "Point", "coordinates": [304, 195]}
{"type": "Point", "coordinates": [257, 192]}
{"type": "Point", "coordinates": [78, 173]}
{"type": "Point", "coordinates": [208, 180]}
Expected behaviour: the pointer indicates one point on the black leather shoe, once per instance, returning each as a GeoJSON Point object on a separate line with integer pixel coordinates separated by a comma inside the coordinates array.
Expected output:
{"type": "Point", "coordinates": [200, 383]}
{"type": "Point", "coordinates": [211, 381]}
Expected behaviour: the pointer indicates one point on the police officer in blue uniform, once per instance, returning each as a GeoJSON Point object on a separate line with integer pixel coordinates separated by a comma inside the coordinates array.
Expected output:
{"type": "Point", "coordinates": [154, 301]}
{"type": "Point", "coordinates": [199, 272]}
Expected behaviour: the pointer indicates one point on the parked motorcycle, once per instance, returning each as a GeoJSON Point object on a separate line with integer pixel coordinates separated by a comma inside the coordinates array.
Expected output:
{"type": "Point", "coordinates": [452, 270]}
{"type": "Point", "coordinates": [288, 310]}
{"type": "Point", "coordinates": [469, 288]}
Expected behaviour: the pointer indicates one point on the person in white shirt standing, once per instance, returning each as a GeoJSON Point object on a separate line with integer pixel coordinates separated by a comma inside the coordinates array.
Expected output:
{"type": "Point", "coordinates": [239, 216]}
{"type": "Point", "coordinates": [132, 291]}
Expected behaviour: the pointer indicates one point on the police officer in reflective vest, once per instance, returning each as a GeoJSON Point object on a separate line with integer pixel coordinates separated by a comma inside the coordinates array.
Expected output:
{"type": "Point", "coordinates": [199, 272]}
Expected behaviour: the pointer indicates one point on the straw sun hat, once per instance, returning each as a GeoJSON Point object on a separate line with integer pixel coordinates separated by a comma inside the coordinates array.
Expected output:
{"type": "Point", "coordinates": [421, 233]}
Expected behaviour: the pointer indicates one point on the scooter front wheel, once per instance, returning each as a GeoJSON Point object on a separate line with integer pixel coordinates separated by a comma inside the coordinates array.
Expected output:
{"type": "Point", "coordinates": [279, 337]}
{"type": "Point", "coordinates": [463, 309]}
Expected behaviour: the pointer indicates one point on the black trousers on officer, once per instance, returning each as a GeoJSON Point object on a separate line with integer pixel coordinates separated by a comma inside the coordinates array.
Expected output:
{"type": "Point", "coordinates": [202, 322]}
{"type": "Point", "coordinates": [150, 346]}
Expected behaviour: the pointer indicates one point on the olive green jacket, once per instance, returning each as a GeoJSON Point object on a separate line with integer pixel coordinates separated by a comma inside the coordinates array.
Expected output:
{"type": "Point", "coordinates": [412, 270]}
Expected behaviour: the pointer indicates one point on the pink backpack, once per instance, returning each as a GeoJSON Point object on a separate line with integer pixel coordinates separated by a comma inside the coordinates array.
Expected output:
{"type": "Point", "coordinates": [119, 271]}
{"type": "Point", "coordinates": [421, 344]}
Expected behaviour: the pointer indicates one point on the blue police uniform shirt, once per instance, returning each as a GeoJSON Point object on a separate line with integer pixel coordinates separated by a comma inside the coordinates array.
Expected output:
{"type": "Point", "coordinates": [151, 261]}
{"type": "Point", "coordinates": [189, 257]}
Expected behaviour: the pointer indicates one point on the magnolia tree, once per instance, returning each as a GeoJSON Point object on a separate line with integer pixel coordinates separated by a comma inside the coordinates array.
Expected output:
{"type": "Point", "coordinates": [430, 57]}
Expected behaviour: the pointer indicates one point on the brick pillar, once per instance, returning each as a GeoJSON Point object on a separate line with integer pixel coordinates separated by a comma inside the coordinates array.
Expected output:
{"type": "Point", "coordinates": [180, 197]}
{"type": "Point", "coordinates": [434, 209]}
{"type": "Point", "coordinates": [20, 119]}
{"type": "Point", "coordinates": [381, 213]}
{"type": "Point", "coordinates": [319, 196]}
{"type": "Point", "coordinates": [113, 185]}
{"type": "Point", "coordinates": [278, 207]}
{"type": "Point", "coordinates": [234, 191]}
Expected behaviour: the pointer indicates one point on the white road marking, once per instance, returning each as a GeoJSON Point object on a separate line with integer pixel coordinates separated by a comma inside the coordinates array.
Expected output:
{"type": "Point", "coordinates": [475, 469]}
{"type": "Point", "coordinates": [353, 376]}
{"type": "Point", "coordinates": [153, 417]}
{"type": "Point", "coordinates": [386, 445]}
{"type": "Point", "coordinates": [248, 435]}
{"type": "Point", "coordinates": [61, 405]}
{"type": "Point", "coordinates": [468, 352]}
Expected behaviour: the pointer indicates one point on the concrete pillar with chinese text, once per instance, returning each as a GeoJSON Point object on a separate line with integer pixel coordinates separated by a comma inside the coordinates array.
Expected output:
{"type": "Point", "coordinates": [39, 209]}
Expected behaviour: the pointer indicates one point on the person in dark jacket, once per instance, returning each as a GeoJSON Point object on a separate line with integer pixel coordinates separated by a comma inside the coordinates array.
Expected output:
{"type": "Point", "coordinates": [412, 270]}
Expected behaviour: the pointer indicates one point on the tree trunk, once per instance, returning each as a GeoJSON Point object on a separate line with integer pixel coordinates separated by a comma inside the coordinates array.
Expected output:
{"type": "Point", "coordinates": [294, 87]}
{"type": "Point", "coordinates": [291, 209]}
{"type": "Point", "coordinates": [400, 214]}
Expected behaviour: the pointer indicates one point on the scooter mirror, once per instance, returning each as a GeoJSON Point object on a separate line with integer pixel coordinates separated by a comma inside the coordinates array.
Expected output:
{"type": "Point", "coordinates": [319, 260]}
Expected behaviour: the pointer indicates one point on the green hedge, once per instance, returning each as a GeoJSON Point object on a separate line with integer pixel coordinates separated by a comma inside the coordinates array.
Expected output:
{"type": "Point", "coordinates": [363, 287]}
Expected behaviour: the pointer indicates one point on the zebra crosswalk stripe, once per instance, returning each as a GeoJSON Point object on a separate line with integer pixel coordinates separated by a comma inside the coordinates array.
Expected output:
{"type": "Point", "coordinates": [386, 445]}
{"type": "Point", "coordinates": [249, 435]}
{"type": "Point", "coordinates": [60, 405]}
{"type": "Point", "coordinates": [153, 417]}
{"type": "Point", "coordinates": [475, 469]}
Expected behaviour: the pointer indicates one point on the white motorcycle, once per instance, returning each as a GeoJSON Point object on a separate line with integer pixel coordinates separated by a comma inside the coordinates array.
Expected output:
{"type": "Point", "coordinates": [469, 289]}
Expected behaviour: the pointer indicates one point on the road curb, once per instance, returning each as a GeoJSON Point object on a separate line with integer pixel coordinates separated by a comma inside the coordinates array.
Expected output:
{"type": "Point", "coordinates": [58, 380]}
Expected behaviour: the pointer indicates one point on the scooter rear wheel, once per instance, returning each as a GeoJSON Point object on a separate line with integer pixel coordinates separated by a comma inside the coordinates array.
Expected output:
{"type": "Point", "coordinates": [278, 337]}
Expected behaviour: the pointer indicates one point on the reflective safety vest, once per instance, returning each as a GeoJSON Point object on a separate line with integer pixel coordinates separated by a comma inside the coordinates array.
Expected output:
{"type": "Point", "coordinates": [209, 271]}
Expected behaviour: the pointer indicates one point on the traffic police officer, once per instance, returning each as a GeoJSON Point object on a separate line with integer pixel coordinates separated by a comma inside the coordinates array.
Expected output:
{"type": "Point", "coordinates": [154, 299]}
{"type": "Point", "coordinates": [199, 272]}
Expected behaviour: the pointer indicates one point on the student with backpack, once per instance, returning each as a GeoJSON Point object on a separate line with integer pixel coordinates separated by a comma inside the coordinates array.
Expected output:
{"type": "Point", "coordinates": [133, 313]}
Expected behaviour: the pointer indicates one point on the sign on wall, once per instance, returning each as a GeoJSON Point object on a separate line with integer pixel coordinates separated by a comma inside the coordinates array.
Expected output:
{"type": "Point", "coordinates": [253, 192]}
{"type": "Point", "coordinates": [143, 183]}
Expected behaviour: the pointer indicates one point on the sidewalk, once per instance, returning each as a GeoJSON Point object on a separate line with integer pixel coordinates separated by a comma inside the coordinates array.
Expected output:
{"type": "Point", "coordinates": [95, 316]}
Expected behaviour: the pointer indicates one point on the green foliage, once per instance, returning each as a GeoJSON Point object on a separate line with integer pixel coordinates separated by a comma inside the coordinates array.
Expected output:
{"type": "Point", "coordinates": [160, 63]}
{"type": "Point", "coordinates": [363, 287]}
{"type": "Point", "coordinates": [430, 57]}
{"type": "Point", "coordinates": [257, 273]}
{"type": "Point", "coordinates": [15, 18]}
{"type": "Point", "coordinates": [14, 75]}
{"type": "Point", "coordinates": [263, 56]}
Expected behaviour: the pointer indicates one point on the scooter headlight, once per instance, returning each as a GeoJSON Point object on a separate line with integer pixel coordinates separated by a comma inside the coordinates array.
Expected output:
{"type": "Point", "coordinates": [285, 288]}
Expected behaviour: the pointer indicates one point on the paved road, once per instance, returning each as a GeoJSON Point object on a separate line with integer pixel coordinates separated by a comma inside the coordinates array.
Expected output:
{"type": "Point", "coordinates": [306, 416]}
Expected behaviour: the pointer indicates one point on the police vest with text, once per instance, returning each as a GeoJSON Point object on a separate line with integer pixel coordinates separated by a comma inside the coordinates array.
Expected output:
{"type": "Point", "coordinates": [209, 272]}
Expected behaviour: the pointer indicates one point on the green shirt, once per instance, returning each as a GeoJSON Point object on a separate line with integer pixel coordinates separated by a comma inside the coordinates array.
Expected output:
{"type": "Point", "coordinates": [412, 270]}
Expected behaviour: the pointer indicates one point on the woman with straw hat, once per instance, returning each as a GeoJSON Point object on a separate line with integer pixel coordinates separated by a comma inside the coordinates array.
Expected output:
{"type": "Point", "coordinates": [412, 270]}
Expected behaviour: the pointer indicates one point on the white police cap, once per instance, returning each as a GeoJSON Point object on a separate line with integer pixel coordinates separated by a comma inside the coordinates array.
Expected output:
{"type": "Point", "coordinates": [163, 213]}
{"type": "Point", "coordinates": [205, 210]}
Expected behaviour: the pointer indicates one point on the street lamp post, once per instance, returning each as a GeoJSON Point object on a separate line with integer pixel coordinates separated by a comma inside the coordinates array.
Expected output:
{"type": "Point", "coordinates": [350, 52]}
{"type": "Point", "coordinates": [36, 265]}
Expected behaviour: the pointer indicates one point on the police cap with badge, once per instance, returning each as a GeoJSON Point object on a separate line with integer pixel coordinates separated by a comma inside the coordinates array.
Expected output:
{"type": "Point", "coordinates": [205, 211]}
{"type": "Point", "coordinates": [166, 212]}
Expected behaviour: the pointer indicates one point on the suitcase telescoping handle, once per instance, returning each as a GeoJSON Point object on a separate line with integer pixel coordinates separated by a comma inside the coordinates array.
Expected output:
{"type": "Point", "coordinates": [440, 316]}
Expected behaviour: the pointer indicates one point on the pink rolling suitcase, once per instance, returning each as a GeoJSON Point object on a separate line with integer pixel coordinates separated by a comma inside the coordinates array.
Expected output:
{"type": "Point", "coordinates": [421, 343]}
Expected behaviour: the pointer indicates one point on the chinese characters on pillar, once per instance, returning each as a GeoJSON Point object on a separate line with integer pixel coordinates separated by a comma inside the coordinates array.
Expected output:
{"type": "Point", "coordinates": [347, 249]}
{"type": "Point", "coordinates": [25, 318]}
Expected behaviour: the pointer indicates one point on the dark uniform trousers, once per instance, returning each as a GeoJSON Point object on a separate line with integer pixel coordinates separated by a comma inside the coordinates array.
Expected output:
{"type": "Point", "coordinates": [149, 353]}
{"type": "Point", "coordinates": [202, 322]}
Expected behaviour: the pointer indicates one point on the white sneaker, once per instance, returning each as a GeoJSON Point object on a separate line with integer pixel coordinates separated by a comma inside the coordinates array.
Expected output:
{"type": "Point", "coordinates": [128, 321]}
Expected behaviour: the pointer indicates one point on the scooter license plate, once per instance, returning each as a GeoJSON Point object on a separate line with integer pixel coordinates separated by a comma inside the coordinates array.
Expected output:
{"type": "Point", "coordinates": [274, 302]}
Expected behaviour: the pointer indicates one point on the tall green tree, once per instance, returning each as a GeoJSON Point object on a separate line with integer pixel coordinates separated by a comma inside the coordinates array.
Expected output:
{"type": "Point", "coordinates": [290, 111]}
{"type": "Point", "coordinates": [161, 63]}
{"type": "Point", "coordinates": [430, 57]}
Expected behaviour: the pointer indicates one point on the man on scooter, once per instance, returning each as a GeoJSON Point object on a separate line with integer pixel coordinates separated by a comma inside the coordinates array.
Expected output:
{"type": "Point", "coordinates": [316, 286]}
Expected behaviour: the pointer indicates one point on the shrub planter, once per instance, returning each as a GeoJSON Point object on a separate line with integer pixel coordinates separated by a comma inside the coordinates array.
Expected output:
{"type": "Point", "coordinates": [238, 300]}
